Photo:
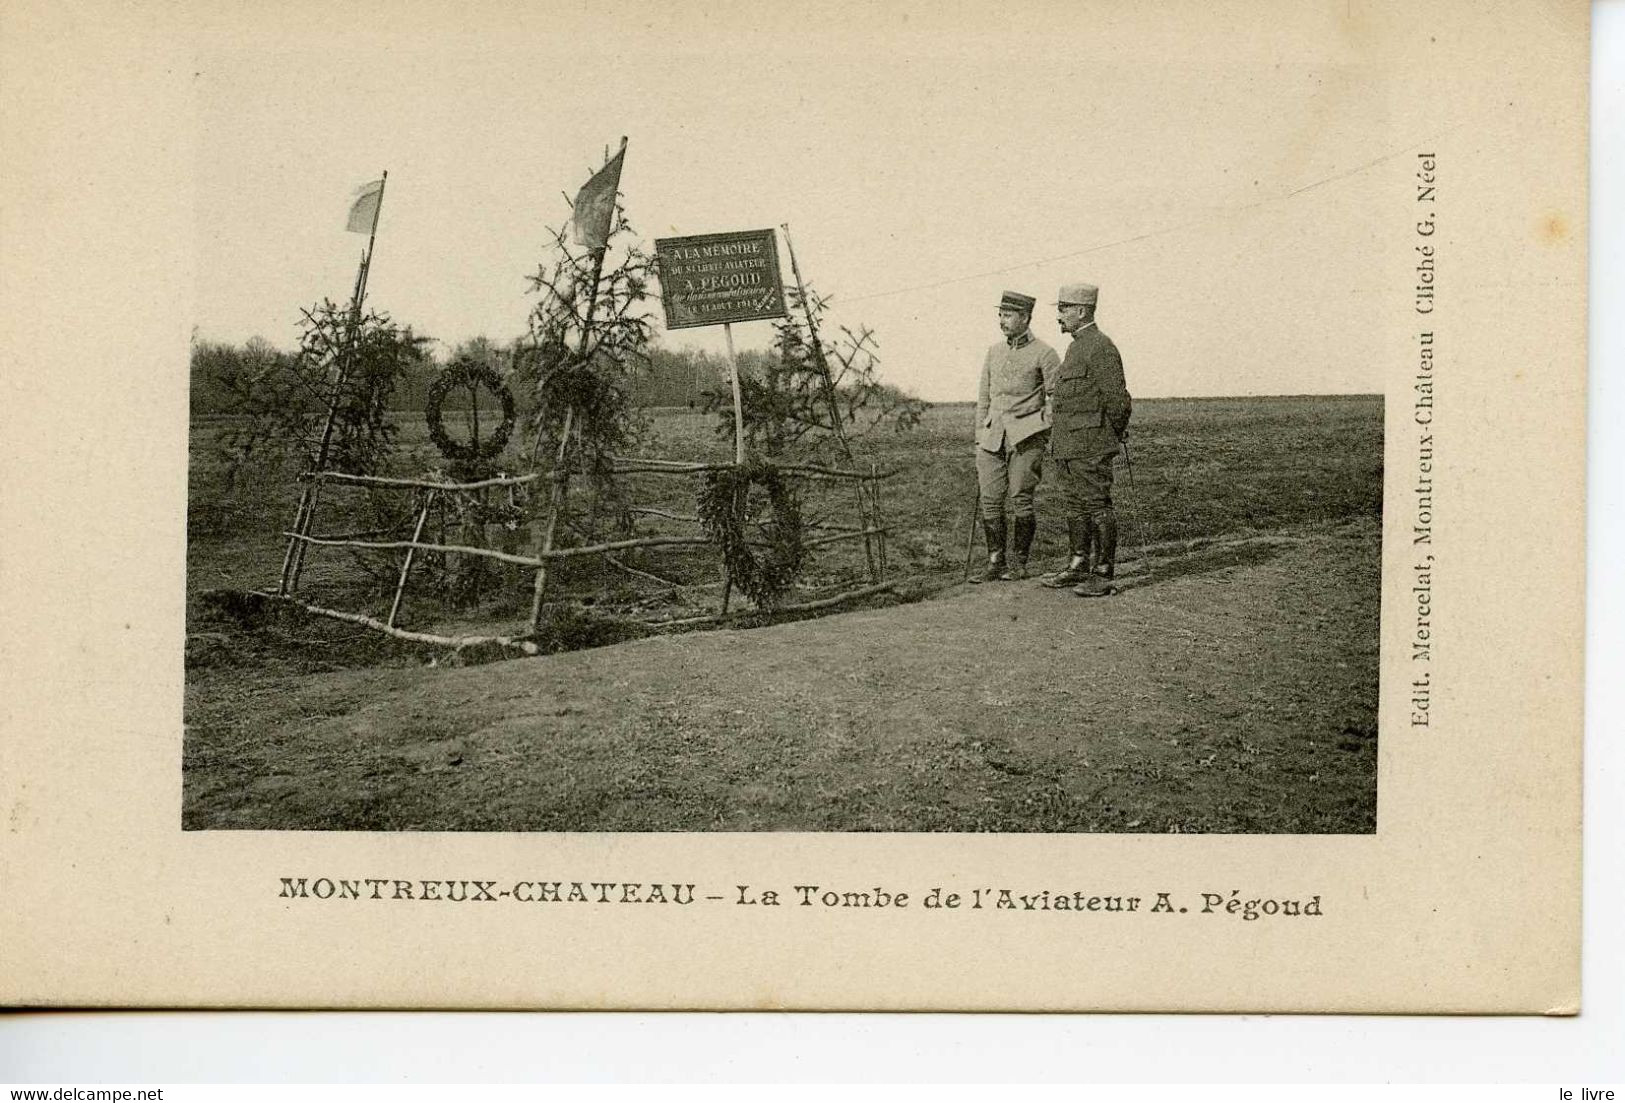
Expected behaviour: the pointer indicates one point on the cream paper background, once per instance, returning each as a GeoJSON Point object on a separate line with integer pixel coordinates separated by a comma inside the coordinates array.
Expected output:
{"type": "Point", "coordinates": [1466, 899]}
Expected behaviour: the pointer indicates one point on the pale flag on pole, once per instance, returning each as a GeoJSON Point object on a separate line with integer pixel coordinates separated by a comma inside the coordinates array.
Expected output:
{"type": "Point", "coordinates": [594, 211]}
{"type": "Point", "coordinates": [364, 207]}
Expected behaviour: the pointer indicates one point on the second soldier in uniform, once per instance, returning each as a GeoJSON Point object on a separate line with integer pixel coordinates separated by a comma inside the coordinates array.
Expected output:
{"type": "Point", "coordinates": [1012, 424]}
{"type": "Point", "coordinates": [1090, 413]}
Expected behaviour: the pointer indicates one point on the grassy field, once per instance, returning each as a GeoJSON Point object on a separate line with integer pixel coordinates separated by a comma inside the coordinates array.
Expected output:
{"type": "Point", "coordinates": [1231, 687]}
{"type": "Point", "coordinates": [1200, 468]}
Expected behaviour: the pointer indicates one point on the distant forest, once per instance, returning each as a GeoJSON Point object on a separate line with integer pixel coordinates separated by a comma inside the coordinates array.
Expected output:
{"type": "Point", "coordinates": [673, 377]}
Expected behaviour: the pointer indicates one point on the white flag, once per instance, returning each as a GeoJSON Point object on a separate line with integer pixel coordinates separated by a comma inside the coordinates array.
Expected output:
{"type": "Point", "coordinates": [364, 208]}
{"type": "Point", "coordinates": [594, 212]}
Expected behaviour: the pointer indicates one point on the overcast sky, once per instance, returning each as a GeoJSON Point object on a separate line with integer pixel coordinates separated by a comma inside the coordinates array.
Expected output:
{"type": "Point", "coordinates": [1238, 212]}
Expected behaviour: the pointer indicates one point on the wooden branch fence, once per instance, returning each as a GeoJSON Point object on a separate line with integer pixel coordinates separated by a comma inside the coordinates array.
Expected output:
{"type": "Point", "coordinates": [869, 530]}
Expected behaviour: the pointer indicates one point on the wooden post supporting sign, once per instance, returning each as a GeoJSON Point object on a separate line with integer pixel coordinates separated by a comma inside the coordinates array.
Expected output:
{"type": "Point", "coordinates": [739, 404]}
{"type": "Point", "coordinates": [293, 562]}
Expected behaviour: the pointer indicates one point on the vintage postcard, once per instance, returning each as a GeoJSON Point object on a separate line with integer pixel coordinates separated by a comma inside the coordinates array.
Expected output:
{"type": "Point", "coordinates": [960, 507]}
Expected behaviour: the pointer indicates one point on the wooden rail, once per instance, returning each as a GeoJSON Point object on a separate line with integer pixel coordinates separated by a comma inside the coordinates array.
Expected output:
{"type": "Point", "coordinates": [855, 534]}
{"type": "Point", "coordinates": [508, 557]}
{"type": "Point", "coordinates": [423, 484]}
{"type": "Point", "coordinates": [623, 465]}
{"type": "Point", "coordinates": [822, 526]}
{"type": "Point", "coordinates": [802, 607]}
{"type": "Point", "coordinates": [527, 646]}
{"type": "Point", "coordinates": [630, 465]}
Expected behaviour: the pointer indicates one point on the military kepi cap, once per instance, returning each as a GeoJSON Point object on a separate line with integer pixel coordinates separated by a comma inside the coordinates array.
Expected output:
{"type": "Point", "coordinates": [1078, 294]}
{"type": "Point", "coordinates": [1015, 300]}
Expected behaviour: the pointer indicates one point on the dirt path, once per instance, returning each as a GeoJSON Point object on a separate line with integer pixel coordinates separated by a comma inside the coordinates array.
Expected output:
{"type": "Point", "coordinates": [1236, 691]}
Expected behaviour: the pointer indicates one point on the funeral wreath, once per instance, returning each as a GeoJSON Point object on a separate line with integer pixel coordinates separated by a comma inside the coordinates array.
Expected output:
{"type": "Point", "coordinates": [470, 373]}
{"type": "Point", "coordinates": [723, 508]}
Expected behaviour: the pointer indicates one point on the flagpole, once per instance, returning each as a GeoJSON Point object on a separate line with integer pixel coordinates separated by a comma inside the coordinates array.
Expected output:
{"type": "Point", "coordinates": [561, 473]}
{"type": "Point", "coordinates": [836, 422]}
{"type": "Point", "coordinates": [293, 561]}
{"type": "Point", "coordinates": [832, 401]}
{"type": "Point", "coordinates": [372, 237]}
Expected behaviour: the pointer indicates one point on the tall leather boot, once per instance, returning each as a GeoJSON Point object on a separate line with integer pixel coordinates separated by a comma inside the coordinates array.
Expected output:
{"type": "Point", "coordinates": [993, 530]}
{"type": "Point", "coordinates": [1080, 536]}
{"type": "Point", "coordinates": [1103, 526]}
{"type": "Point", "coordinates": [1026, 527]}
{"type": "Point", "coordinates": [1106, 537]}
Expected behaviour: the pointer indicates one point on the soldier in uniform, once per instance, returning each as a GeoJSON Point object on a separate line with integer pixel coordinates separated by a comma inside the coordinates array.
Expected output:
{"type": "Point", "coordinates": [1091, 409]}
{"type": "Point", "coordinates": [1012, 424]}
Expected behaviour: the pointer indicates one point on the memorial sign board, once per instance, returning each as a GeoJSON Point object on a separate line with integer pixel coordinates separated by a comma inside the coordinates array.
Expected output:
{"type": "Point", "coordinates": [711, 279]}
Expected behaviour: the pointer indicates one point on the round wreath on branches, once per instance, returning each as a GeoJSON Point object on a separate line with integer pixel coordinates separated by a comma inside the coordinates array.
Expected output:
{"type": "Point", "coordinates": [764, 578]}
{"type": "Point", "coordinates": [471, 374]}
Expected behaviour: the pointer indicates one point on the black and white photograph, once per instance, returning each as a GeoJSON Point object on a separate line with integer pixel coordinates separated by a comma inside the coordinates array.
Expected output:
{"type": "Point", "coordinates": [890, 507]}
{"type": "Point", "coordinates": [829, 442]}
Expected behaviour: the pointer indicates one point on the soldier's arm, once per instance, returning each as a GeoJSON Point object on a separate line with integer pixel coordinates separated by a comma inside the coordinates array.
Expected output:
{"type": "Point", "coordinates": [1119, 406]}
{"type": "Point", "coordinates": [984, 397]}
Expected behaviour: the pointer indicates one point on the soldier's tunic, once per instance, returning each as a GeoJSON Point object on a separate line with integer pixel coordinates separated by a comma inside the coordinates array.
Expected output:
{"type": "Point", "coordinates": [1012, 419]}
{"type": "Point", "coordinates": [1091, 409]}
